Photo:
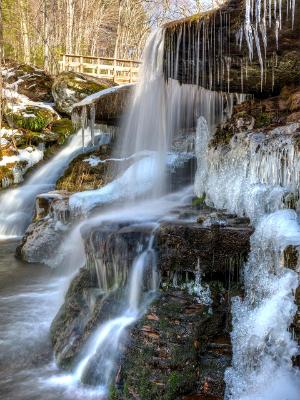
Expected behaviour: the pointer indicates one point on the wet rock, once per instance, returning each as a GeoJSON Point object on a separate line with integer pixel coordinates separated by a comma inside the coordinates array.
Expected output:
{"type": "Point", "coordinates": [183, 347]}
{"type": "Point", "coordinates": [88, 171]}
{"type": "Point", "coordinates": [219, 250]}
{"type": "Point", "coordinates": [40, 240]}
{"type": "Point", "coordinates": [49, 228]}
{"type": "Point", "coordinates": [71, 87]}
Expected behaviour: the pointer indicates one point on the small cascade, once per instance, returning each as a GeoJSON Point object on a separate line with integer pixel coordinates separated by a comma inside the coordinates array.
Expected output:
{"type": "Point", "coordinates": [17, 204]}
{"type": "Point", "coordinates": [257, 175]}
{"type": "Point", "coordinates": [263, 346]}
{"type": "Point", "coordinates": [98, 357]}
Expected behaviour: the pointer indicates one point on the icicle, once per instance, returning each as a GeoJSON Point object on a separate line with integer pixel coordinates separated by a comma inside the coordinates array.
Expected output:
{"type": "Point", "coordinates": [277, 25]}
{"type": "Point", "coordinates": [92, 122]}
{"type": "Point", "coordinates": [83, 122]}
{"type": "Point", "coordinates": [280, 13]}
{"type": "Point", "coordinates": [293, 13]}
{"type": "Point", "coordinates": [257, 42]}
{"type": "Point", "coordinates": [242, 76]}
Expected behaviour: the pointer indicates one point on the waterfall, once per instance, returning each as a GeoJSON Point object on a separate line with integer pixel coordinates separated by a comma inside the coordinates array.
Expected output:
{"type": "Point", "coordinates": [105, 342]}
{"type": "Point", "coordinates": [16, 205]}
{"type": "Point", "coordinates": [159, 111]}
{"type": "Point", "coordinates": [263, 346]}
{"type": "Point", "coordinates": [256, 175]}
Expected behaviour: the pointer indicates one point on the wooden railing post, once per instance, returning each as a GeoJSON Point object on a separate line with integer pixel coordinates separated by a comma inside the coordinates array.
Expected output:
{"type": "Point", "coordinates": [115, 70]}
{"type": "Point", "coordinates": [63, 65]}
{"type": "Point", "coordinates": [130, 72]}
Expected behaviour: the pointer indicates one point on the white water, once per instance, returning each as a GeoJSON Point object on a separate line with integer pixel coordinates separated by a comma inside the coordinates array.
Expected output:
{"type": "Point", "coordinates": [16, 205]}
{"type": "Point", "coordinates": [158, 112]}
{"type": "Point", "coordinates": [104, 344]}
{"type": "Point", "coordinates": [252, 178]}
{"type": "Point", "coordinates": [105, 341]}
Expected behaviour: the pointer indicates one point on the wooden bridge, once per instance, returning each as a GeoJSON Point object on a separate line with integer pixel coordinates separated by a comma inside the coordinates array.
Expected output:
{"type": "Point", "coordinates": [115, 69]}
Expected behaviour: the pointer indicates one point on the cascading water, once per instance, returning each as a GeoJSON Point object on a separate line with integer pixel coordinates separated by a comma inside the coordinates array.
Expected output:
{"type": "Point", "coordinates": [17, 204]}
{"type": "Point", "coordinates": [160, 110]}
{"type": "Point", "coordinates": [254, 178]}
{"type": "Point", "coordinates": [106, 340]}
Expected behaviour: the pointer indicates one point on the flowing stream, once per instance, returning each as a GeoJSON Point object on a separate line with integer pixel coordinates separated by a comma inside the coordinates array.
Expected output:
{"type": "Point", "coordinates": [16, 205]}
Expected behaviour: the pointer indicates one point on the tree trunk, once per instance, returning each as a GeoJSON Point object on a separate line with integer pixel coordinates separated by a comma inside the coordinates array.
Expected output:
{"type": "Point", "coordinates": [1, 64]}
{"type": "Point", "coordinates": [46, 37]}
{"type": "Point", "coordinates": [70, 25]}
{"type": "Point", "coordinates": [25, 31]}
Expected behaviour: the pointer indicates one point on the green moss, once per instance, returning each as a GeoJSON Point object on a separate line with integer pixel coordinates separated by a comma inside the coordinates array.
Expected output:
{"type": "Point", "coordinates": [180, 383]}
{"type": "Point", "coordinates": [199, 201]}
{"type": "Point", "coordinates": [113, 393]}
{"type": "Point", "coordinates": [63, 128]}
{"type": "Point", "coordinates": [263, 120]}
{"type": "Point", "coordinates": [28, 138]}
{"type": "Point", "coordinates": [27, 69]}
{"type": "Point", "coordinates": [86, 87]}
{"type": "Point", "coordinates": [39, 118]}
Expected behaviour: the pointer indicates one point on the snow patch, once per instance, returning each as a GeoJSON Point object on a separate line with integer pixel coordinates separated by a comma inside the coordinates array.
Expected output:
{"type": "Point", "coordinates": [30, 155]}
{"type": "Point", "coordinates": [93, 97]}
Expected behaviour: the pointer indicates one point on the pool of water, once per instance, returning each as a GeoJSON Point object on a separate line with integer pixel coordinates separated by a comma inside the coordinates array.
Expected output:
{"type": "Point", "coordinates": [30, 296]}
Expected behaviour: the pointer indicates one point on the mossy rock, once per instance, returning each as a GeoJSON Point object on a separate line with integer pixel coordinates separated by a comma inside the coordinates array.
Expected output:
{"type": "Point", "coordinates": [80, 175]}
{"type": "Point", "coordinates": [63, 128]}
{"type": "Point", "coordinates": [71, 87]}
{"type": "Point", "coordinates": [32, 118]}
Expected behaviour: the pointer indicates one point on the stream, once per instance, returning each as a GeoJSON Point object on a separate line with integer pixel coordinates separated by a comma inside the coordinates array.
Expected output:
{"type": "Point", "coordinates": [30, 296]}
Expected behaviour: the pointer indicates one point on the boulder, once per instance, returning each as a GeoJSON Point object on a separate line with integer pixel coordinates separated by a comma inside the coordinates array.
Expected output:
{"type": "Point", "coordinates": [50, 226]}
{"type": "Point", "coordinates": [71, 87]}
{"type": "Point", "coordinates": [180, 347]}
{"type": "Point", "coordinates": [29, 81]}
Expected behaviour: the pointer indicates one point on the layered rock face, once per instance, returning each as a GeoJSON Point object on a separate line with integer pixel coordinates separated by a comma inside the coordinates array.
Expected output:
{"type": "Point", "coordinates": [232, 49]}
{"type": "Point", "coordinates": [182, 344]}
{"type": "Point", "coordinates": [180, 348]}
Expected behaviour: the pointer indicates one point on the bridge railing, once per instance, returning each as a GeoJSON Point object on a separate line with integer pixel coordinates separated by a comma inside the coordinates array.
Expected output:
{"type": "Point", "coordinates": [118, 70]}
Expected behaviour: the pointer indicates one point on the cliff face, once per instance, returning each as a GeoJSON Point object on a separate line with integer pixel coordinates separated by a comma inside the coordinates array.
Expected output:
{"type": "Point", "coordinates": [219, 50]}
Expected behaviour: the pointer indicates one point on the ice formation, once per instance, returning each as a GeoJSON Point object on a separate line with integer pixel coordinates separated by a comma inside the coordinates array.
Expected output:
{"type": "Point", "coordinates": [254, 176]}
